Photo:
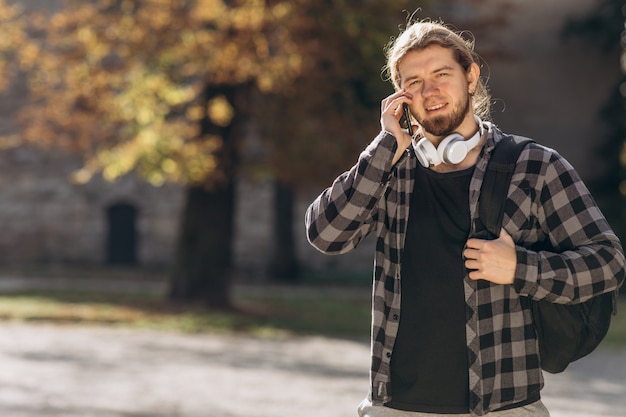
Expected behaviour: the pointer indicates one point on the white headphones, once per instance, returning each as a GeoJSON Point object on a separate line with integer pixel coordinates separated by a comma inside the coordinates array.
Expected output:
{"type": "Point", "coordinates": [452, 150]}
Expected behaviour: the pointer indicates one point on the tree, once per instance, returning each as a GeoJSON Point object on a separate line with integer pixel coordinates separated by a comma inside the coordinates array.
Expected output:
{"type": "Point", "coordinates": [604, 26]}
{"type": "Point", "coordinates": [158, 87]}
{"type": "Point", "coordinates": [166, 88]}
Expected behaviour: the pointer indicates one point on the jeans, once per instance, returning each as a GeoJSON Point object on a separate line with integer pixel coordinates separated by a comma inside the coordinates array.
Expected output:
{"type": "Point", "coordinates": [536, 409]}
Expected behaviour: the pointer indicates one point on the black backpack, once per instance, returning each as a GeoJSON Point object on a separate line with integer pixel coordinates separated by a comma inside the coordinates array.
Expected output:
{"type": "Point", "coordinates": [565, 332]}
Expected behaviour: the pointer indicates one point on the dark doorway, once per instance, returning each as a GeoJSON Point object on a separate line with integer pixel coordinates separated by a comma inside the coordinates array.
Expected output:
{"type": "Point", "coordinates": [122, 239]}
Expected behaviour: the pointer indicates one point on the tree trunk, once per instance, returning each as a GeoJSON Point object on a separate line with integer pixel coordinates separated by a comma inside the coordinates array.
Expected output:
{"type": "Point", "coordinates": [203, 253]}
{"type": "Point", "coordinates": [204, 248]}
{"type": "Point", "coordinates": [284, 265]}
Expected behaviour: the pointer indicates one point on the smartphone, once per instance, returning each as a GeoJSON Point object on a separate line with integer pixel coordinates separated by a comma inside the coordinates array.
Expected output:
{"type": "Point", "coordinates": [405, 120]}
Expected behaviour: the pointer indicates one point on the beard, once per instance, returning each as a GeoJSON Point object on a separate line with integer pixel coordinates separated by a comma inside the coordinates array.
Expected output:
{"type": "Point", "coordinates": [445, 125]}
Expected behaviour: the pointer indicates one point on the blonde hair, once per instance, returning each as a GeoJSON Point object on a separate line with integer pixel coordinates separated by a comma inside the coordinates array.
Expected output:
{"type": "Point", "coordinates": [420, 35]}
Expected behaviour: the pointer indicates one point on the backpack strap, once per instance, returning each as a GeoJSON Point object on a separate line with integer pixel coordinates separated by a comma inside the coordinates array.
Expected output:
{"type": "Point", "coordinates": [495, 186]}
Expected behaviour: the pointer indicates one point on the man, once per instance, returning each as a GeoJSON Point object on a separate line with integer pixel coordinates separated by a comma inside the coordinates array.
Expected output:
{"type": "Point", "coordinates": [452, 332]}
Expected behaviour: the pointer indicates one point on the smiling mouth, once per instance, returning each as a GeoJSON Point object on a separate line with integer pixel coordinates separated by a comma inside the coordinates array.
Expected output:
{"type": "Point", "coordinates": [435, 107]}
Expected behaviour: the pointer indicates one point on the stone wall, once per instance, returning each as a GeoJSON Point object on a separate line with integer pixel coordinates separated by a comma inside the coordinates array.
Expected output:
{"type": "Point", "coordinates": [253, 227]}
{"type": "Point", "coordinates": [46, 218]}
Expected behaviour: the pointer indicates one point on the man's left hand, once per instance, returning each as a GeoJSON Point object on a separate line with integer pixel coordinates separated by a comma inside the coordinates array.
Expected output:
{"type": "Point", "coordinates": [492, 260]}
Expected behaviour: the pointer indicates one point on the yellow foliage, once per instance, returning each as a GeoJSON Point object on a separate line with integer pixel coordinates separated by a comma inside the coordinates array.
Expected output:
{"type": "Point", "coordinates": [219, 111]}
{"type": "Point", "coordinates": [250, 17]}
{"type": "Point", "coordinates": [195, 113]}
{"type": "Point", "coordinates": [281, 10]}
{"type": "Point", "coordinates": [127, 83]}
{"type": "Point", "coordinates": [29, 55]}
{"type": "Point", "coordinates": [209, 10]}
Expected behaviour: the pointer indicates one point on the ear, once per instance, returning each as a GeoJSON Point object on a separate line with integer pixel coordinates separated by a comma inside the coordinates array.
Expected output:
{"type": "Point", "coordinates": [473, 75]}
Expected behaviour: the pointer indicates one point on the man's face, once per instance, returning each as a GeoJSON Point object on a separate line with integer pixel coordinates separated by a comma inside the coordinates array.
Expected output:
{"type": "Point", "coordinates": [440, 89]}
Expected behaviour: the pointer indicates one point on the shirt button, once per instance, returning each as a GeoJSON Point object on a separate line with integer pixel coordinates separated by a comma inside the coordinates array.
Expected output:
{"type": "Point", "coordinates": [395, 317]}
{"type": "Point", "coordinates": [389, 354]}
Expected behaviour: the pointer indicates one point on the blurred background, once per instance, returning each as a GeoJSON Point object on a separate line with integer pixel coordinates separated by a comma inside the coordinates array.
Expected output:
{"type": "Point", "coordinates": [158, 155]}
{"type": "Point", "coordinates": [189, 137]}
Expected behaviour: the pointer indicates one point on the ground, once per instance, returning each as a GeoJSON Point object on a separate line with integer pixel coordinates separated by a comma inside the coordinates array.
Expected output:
{"type": "Point", "coordinates": [72, 371]}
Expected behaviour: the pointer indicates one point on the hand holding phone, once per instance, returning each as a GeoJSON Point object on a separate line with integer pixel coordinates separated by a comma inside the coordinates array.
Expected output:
{"type": "Point", "coordinates": [405, 120]}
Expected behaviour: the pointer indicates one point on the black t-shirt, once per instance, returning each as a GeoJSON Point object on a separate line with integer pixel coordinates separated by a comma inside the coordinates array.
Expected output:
{"type": "Point", "coordinates": [429, 366]}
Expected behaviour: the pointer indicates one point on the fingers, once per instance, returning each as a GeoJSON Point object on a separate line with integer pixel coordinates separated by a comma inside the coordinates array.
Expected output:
{"type": "Point", "coordinates": [491, 260]}
{"type": "Point", "coordinates": [471, 253]}
{"type": "Point", "coordinates": [394, 102]}
{"type": "Point", "coordinates": [391, 112]}
{"type": "Point", "coordinates": [475, 275]}
{"type": "Point", "coordinates": [472, 262]}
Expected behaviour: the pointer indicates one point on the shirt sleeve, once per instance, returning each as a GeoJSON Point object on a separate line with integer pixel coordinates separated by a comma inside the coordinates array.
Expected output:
{"type": "Point", "coordinates": [585, 258]}
{"type": "Point", "coordinates": [343, 214]}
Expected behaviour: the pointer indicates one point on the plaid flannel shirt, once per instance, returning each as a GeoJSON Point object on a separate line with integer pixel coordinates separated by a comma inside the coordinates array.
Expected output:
{"type": "Point", "coordinates": [547, 202]}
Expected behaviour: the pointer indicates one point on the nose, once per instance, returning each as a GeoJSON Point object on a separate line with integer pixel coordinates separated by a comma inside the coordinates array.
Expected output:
{"type": "Point", "coordinates": [429, 88]}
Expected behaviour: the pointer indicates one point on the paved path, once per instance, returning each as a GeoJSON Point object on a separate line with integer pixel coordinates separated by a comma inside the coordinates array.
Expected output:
{"type": "Point", "coordinates": [69, 371]}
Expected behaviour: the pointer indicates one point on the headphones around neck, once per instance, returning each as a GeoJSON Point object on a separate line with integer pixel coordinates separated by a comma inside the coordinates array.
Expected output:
{"type": "Point", "coordinates": [452, 150]}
